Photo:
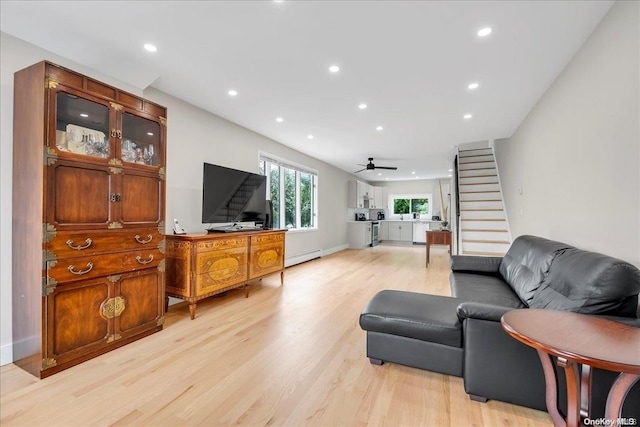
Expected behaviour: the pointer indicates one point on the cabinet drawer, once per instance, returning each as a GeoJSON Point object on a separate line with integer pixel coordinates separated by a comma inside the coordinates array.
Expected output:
{"type": "Point", "coordinates": [222, 244]}
{"type": "Point", "coordinates": [217, 270]}
{"type": "Point", "coordinates": [75, 244]}
{"type": "Point", "coordinates": [266, 258]}
{"type": "Point", "coordinates": [80, 268]}
{"type": "Point", "coordinates": [266, 239]}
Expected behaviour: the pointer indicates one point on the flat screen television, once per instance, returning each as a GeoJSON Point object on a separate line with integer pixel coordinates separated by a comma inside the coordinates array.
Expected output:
{"type": "Point", "coordinates": [231, 197]}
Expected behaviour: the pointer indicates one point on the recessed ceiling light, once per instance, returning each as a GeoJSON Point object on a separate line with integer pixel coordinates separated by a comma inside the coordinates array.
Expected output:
{"type": "Point", "coordinates": [473, 85]}
{"type": "Point", "coordinates": [450, 170]}
{"type": "Point", "coordinates": [413, 172]}
{"type": "Point", "coordinates": [483, 32]}
{"type": "Point", "coordinates": [449, 175]}
{"type": "Point", "coordinates": [149, 47]}
{"type": "Point", "coordinates": [417, 177]}
{"type": "Point", "coordinates": [467, 116]}
{"type": "Point", "coordinates": [379, 128]}
{"type": "Point", "coordinates": [84, 115]}
{"type": "Point", "coordinates": [279, 119]}
{"type": "Point", "coordinates": [362, 106]}
{"type": "Point", "coordinates": [334, 68]}
{"type": "Point", "coordinates": [150, 133]}
{"type": "Point", "coordinates": [379, 174]}
{"type": "Point", "coordinates": [310, 136]}
{"type": "Point", "coordinates": [233, 92]}
{"type": "Point", "coordinates": [387, 178]}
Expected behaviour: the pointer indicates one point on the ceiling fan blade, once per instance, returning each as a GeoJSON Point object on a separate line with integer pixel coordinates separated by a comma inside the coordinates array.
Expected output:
{"type": "Point", "coordinates": [393, 168]}
{"type": "Point", "coordinates": [361, 170]}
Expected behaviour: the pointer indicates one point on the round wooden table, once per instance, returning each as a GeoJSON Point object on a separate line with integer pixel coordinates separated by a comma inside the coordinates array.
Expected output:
{"type": "Point", "coordinates": [579, 339]}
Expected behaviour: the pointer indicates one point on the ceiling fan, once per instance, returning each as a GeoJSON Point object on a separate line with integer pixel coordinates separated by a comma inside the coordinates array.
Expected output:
{"type": "Point", "coordinates": [370, 166]}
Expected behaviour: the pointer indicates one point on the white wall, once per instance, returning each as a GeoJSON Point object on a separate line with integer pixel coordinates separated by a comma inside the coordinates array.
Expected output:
{"type": "Point", "coordinates": [571, 172]}
{"type": "Point", "coordinates": [194, 136]}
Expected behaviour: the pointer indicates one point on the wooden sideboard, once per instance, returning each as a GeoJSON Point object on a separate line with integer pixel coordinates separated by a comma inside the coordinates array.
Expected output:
{"type": "Point", "coordinates": [205, 264]}
{"type": "Point", "coordinates": [437, 237]}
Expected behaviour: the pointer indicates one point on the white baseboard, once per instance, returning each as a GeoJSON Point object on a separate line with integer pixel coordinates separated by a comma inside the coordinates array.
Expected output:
{"type": "Point", "coordinates": [335, 249]}
{"type": "Point", "coordinates": [6, 354]}
{"type": "Point", "coordinates": [297, 259]}
{"type": "Point", "coordinates": [288, 262]}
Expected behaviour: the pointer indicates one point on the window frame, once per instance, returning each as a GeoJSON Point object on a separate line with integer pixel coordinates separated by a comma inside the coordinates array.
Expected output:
{"type": "Point", "coordinates": [410, 197]}
{"type": "Point", "coordinates": [265, 160]}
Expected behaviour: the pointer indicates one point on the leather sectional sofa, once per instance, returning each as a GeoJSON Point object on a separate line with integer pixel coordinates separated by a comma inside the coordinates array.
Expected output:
{"type": "Point", "coordinates": [462, 335]}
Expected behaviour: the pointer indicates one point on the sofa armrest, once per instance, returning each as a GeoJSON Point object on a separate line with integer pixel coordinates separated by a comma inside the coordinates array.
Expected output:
{"type": "Point", "coordinates": [475, 264]}
{"type": "Point", "coordinates": [481, 311]}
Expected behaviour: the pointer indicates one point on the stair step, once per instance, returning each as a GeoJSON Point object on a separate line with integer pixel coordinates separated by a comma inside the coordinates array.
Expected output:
{"type": "Point", "coordinates": [483, 219]}
{"type": "Point", "coordinates": [476, 169]}
{"type": "Point", "coordinates": [475, 149]}
{"type": "Point", "coordinates": [478, 176]}
{"type": "Point", "coordinates": [478, 183]}
{"type": "Point", "coordinates": [466, 173]}
{"type": "Point", "coordinates": [490, 158]}
{"type": "Point", "coordinates": [476, 192]}
{"type": "Point", "coordinates": [482, 214]}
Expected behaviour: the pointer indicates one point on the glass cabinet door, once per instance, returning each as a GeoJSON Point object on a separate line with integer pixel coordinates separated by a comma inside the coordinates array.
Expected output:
{"type": "Point", "coordinates": [140, 140]}
{"type": "Point", "coordinates": [82, 126]}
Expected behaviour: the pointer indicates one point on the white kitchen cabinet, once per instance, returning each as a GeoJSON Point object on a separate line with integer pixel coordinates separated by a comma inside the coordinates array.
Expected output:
{"type": "Point", "coordinates": [400, 231]}
{"type": "Point", "coordinates": [379, 198]}
{"type": "Point", "coordinates": [367, 190]}
{"type": "Point", "coordinates": [420, 231]}
{"type": "Point", "coordinates": [359, 234]}
{"type": "Point", "coordinates": [383, 231]}
{"type": "Point", "coordinates": [356, 194]}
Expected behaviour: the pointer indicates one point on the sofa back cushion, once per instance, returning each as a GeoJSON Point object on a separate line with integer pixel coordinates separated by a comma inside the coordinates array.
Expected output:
{"type": "Point", "coordinates": [589, 283]}
{"type": "Point", "coordinates": [526, 263]}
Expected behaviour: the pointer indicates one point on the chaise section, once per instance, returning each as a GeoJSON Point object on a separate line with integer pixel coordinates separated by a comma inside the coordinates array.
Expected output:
{"type": "Point", "coordinates": [413, 329]}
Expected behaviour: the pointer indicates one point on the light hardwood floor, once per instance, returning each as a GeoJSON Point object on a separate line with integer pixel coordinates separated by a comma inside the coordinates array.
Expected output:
{"type": "Point", "coordinates": [286, 356]}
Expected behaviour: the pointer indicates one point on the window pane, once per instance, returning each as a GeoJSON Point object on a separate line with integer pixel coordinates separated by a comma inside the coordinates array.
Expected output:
{"type": "Point", "coordinates": [420, 206]}
{"type": "Point", "coordinates": [290, 198]}
{"type": "Point", "coordinates": [400, 206]}
{"type": "Point", "coordinates": [261, 168]}
{"type": "Point", "coordinates": [306, 197]}
{"type": "Point", "coordinates": [275, 194]}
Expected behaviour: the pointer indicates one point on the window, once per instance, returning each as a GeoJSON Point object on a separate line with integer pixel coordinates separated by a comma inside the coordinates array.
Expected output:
{"type": "Point", "coordinates": [293, 192]}
{"type": "Point", "coordinates": [404, 204]}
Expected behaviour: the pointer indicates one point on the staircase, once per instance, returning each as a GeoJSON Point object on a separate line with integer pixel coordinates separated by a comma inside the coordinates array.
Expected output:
{"type": "Point", "coordinates": [483, 223]}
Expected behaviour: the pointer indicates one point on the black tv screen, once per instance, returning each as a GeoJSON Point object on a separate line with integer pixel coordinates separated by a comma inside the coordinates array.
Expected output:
{"type": "Point", "coordinates": [232, 196]}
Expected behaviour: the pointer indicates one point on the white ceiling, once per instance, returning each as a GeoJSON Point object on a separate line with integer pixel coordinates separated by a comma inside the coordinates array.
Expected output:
{"type": "Point", "coordinates": [409, 61]}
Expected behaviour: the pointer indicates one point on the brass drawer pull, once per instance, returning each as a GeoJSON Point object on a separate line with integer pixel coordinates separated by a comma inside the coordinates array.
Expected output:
{"type": "Point", "coordinates": [81, 272]}
{"type": "Point", "coordinates": [144, 261]}
{"type": "Point", "coordinates": [143, 242]}
{"type": "Point", "coordinates": [79, 247]}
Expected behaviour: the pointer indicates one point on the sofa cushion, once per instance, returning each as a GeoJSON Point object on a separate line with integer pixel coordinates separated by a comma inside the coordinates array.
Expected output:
{"type": "Point", "coordinates": [589, 283]}
{"type": "Point", "coordinates": [527, 262]}
{"type": "Point", "coordinates": [475, 264]}
{"type": "Point", "coordinates": [482, 288]}
{"type": "Point", "coordinates": [424, 317]}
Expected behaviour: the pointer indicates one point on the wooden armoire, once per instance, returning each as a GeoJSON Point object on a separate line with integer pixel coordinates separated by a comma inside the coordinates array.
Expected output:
{"type": "Point", "coordinates": [88, 218]}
